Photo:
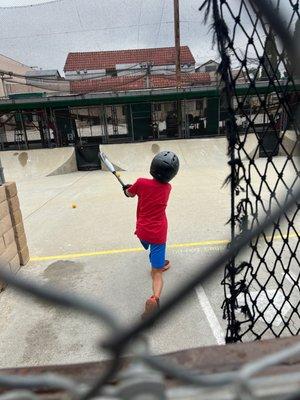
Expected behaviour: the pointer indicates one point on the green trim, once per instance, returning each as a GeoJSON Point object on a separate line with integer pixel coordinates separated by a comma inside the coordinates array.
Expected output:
{"type": "Point", "coordinates": [18, 96]}
{"type": "Point", "coordinates": [159, 95]}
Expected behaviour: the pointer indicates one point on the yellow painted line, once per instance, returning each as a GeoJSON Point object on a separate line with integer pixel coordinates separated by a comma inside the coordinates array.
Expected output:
{"type": "Point", "coordinates": [130, 250]}
{"type": "Point", "coordinates": [205, 243]}
{"type": "Point", "coordinates": [278, 237]}
{"type": "Point", "coordinates": [89, 254]}
{"type": "Point", "coordinates": [198, 244]}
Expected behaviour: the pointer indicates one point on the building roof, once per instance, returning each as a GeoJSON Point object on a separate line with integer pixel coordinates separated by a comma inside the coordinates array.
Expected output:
{"type": "Point", "coordinates": [40, 73]}
{"type": "Point", "coordinates": [108, 59]}
{"type": "Point", "coordinates": [138, 82]}
{"type": "Point", "coordinates": [9, 59]}
{"type": "Point", "coordinates": [208, 62]}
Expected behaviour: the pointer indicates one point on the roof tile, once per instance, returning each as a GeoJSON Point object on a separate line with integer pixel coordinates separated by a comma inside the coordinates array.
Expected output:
{"type": "Point", "coordinates": [96, 60]}
{"type": "Point", "coordinates": [123, 83]}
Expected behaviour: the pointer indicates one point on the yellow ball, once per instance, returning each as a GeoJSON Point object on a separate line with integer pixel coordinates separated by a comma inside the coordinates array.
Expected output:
{"type": "Point", "coordinates": [74, 205]}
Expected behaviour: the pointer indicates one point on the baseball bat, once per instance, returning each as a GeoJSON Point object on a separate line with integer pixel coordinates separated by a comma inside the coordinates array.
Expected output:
{"type": "Point", "coordinates": [110, 167]}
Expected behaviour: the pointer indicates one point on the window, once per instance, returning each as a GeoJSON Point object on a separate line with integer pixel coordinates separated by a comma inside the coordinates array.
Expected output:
{"type": "Point", "coordinates": [199, 104]}
{"type": "Point", "coordinates": [124, 110]}
{"type": "Point", "coordinates": [211, 68]}
{"type": "Point", "coordinates": [111, 72]}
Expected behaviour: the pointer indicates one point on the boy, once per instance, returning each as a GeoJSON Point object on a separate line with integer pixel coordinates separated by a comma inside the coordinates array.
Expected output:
{"type": "Point", "coordinates": [152, 224]}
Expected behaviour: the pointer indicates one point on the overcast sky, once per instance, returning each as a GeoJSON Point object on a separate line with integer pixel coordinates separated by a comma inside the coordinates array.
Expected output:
{"type": "Point", "coordinates": [42, 33]}
{"type": "Point", "coordinates": [18, 3]}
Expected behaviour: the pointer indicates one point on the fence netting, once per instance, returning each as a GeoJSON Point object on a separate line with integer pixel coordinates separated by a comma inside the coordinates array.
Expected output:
{"type": "Point", "coordinates": [259, 91]}
{"type": "Point", "coordinates": [260, 94]}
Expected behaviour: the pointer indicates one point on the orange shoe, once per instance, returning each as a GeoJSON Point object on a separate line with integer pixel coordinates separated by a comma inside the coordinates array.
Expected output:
{"type": "Point", "coordinates": [152, 304]}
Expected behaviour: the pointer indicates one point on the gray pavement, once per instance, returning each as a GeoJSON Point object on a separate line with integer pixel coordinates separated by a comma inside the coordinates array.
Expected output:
{"type": "Point", "coordinates": [35, 334]}
{"type": "Point", "coordinates": [103, 220]}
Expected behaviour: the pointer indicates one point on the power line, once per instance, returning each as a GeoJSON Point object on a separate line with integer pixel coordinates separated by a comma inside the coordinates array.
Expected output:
{"type": "Point", "coordinates": [141, 5]}
{"type": "Point", "coordinates": [80, 78]}
{"type": "Point", "coordinates": [32, 5]}
{"type": "Point", "coordinates": [46, 84]}
{"type": "Point", "coordinates": [78, 14]}
{"type": "Point", "coordinates": [92, 30]}
{"type": "Point", "coordinates": [113, 88]}
{"type": "Point", "coordinates": [160, 22]}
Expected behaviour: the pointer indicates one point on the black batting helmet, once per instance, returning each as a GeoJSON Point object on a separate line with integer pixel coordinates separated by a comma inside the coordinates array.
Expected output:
{"type": "Point", "coordinates": [164, 166]}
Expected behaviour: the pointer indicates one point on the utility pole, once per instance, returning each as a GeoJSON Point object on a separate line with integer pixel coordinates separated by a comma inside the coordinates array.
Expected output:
{"type": "Point", "coordinates": [3, 85]}
{"type": "Point", "coordinates": [148, 65]}
{"type": "Point", "coordinates": [177, 41]}
{"type": "Point", "coordinates": [148, 72]}
{"type": "Point", "coordinates": [177, 49]}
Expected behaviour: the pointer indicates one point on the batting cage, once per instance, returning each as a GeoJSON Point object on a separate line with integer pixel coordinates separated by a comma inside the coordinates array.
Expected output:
{"type": "Point", "coordinates": [259, 97]}
{"type": "Point", "coordinates": [259, 87]}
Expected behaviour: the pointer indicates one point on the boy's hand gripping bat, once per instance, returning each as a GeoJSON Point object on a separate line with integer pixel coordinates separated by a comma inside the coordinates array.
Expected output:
{"type": "Point", "coordinates": [111, 168]}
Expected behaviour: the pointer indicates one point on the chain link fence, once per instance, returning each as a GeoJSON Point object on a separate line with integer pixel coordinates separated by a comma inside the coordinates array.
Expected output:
{"type": "Point", "coordinates": [261, 211]}
{"type": "Point", "coordinates": [261, 284]}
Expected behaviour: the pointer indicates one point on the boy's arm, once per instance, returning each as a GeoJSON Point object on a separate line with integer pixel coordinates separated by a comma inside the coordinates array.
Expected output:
{"type": "Point", "coordinates": [127, 192]}
{"type": "Point", "coordinates": [131, 190]}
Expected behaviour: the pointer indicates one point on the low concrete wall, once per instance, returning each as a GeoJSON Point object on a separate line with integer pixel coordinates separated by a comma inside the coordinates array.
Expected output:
{"type": "Point", "coordinates": [13, 242]}
{"type": "Point", "coordinates": [290, 143]}
{"type": "Point", "coordinates": [70, 165]}
{"type": "Point", "coordinates": [28, 164]}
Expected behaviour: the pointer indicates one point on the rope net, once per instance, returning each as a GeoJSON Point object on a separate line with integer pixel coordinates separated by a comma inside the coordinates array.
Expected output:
{"type": "Point", "coordinates": [259, 101]}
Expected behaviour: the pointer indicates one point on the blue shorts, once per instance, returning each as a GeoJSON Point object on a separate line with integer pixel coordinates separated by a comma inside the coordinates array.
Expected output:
{"type": "Point", "coordinates": [157, 254]}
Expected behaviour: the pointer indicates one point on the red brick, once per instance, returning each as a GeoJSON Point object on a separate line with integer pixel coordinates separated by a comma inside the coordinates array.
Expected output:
{"type": "Point", "coordinates": [138, 82]}
{"type": "Point", "coordinates": [95, 60]}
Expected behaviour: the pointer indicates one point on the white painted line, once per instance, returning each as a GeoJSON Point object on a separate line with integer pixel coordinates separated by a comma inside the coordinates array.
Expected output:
{"type": "Point", "coordinates": [210, 315]}
{"type": "Point", "coordinates": [264, 307]}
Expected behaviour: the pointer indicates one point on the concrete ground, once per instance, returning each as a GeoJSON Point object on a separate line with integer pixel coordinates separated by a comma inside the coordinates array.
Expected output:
{"type": "Point", "coordinates": [72, 248]}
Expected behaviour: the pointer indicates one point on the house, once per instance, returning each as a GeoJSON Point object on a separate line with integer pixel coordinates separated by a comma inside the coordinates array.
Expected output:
{"type": "Point", "coordinates": [135, 70]}
{"type": "Point", "coordinates": [211, 67]}
{"type": "Point", "coordinates": [46, 74]}
{"type": "Point", "coordinates": [17, 78]}
{"type": "Point", "coordinates": [125, 83]}
{"type": "Point", "coordinates": [47, 80]}
{"type": "Point", "coordinates": [9, 83]}
{"type": "Point", "coordinates": [138, 69]}
{"type": "Point", "coordinates": [19, 81]}
{"type": "Point", "coordinates": [154, 61]}
{"type": "Point", "coordinates": [208, 66]}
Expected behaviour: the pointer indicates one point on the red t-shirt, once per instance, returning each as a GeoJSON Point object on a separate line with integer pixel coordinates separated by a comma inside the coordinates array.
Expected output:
{"type": "Point", "coordinates": [152, 223]}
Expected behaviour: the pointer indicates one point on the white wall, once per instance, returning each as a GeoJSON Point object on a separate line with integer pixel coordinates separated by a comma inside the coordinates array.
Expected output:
{"type": "Point", "coordinates": [20, 84]}
{"type": "Point", "coordinates": [10, 65]}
